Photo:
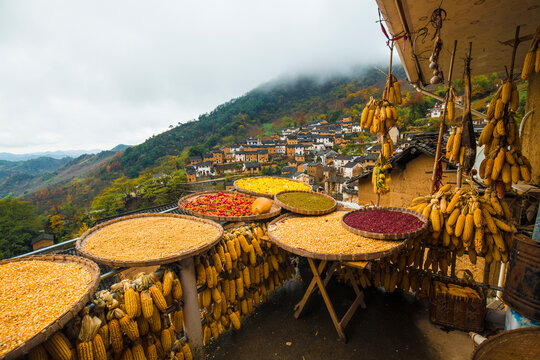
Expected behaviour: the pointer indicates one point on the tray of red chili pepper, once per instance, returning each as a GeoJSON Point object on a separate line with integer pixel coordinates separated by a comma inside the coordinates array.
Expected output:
{"type": "Point", "coordinates": [224, 206]}
{"type": "Point", "coordinates": [385, 223]}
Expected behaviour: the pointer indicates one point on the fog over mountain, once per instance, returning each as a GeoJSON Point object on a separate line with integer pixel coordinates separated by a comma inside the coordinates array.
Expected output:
{"type": "Point", "coordinates": [95, 74]}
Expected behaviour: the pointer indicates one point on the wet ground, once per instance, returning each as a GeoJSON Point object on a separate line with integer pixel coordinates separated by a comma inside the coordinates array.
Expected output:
{"type": "Point", "coordinates": [394, 326]}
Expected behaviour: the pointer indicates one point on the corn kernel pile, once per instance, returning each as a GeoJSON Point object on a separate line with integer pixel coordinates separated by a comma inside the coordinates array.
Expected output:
{"type": "Point", "coordinates": [270, 185]}
{"type": "Point", "coordinates": [151, 237]}
{"type": "Point", "coordinates": [325, 235]}
{"type": "Point", "coordinates": [34, 294]}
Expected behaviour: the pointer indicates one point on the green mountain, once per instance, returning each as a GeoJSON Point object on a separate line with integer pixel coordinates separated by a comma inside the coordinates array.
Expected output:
{"type": "Point", "coordinates": [264, 110]}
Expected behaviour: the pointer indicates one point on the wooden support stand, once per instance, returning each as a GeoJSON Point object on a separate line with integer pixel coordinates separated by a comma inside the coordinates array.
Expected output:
{"type": "Point", "coordinates": [339, 324]}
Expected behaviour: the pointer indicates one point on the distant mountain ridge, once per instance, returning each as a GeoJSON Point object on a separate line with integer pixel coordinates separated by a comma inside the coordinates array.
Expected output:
{"type": "Point", "coordinates": [26, 176]}
{"type": "Point", "coordinates": [59, 154]}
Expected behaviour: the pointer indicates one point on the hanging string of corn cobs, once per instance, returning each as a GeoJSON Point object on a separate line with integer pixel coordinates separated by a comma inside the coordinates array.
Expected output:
{"type": "Point", "coordinates": [461, 145]}
{"type": "Point", "coordinates": [504, 163]}
{"type": "Point", "coordinates": [237, 275]}
{"type": "Point", "coordinates": [379, 116]}
{"type": "Point", "coordinates": [532, 59]}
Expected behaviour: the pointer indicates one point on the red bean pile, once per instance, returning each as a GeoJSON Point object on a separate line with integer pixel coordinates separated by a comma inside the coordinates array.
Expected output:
{"type": "Point", "coordinates": [383, 221]}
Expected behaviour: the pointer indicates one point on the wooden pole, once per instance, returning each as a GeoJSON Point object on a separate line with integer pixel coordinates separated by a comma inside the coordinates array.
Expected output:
{"type": "Point", "coordinates": [459, 179]}
{"type": "Point", "coordinates": [438, 153]}
{"type": "Point", "coordinates": [516, 43]}
{"type": "Point", "coordinates": [192, 317]}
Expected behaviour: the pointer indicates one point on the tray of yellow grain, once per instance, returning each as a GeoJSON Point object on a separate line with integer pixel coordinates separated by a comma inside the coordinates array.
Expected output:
{"type": "Point", "coordinates": [268, 186]}
{"type": "Point", "coordinates": [148, 239]}
{"type": "Point", "coordinates": [39, 295]}
{"type": "Point", "coordinates": [323, 237]}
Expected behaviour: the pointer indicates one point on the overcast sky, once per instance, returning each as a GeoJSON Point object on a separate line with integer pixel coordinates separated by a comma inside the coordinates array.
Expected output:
{"type": "Point", "coordinates": [94, 74]}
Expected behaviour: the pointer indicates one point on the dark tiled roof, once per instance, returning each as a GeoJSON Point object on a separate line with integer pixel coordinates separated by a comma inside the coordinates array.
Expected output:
{"type": "Point", "coordinates": [426, 144]}
{"type": "Point", "coordinates": [252, 165]}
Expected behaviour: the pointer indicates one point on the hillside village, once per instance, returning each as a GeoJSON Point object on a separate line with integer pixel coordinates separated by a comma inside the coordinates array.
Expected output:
{"type": "Point", "coordinates": [313, 153]}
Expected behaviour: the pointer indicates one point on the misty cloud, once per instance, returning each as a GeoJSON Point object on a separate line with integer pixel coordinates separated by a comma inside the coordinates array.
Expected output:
{"type": "Point", "coordinates": [96, 74]}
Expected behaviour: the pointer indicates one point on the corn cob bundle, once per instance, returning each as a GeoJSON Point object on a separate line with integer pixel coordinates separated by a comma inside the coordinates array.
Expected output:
{"type": "Point", "coordinates": [59, 347]}
{"type": "Point", "coordinates": [504, 163]}
{"type": "Point", "coordinates": [236, 276]}
{"type": "Point", "coordinates": [462, 220]}
{"type": "Point", "coordinates": [380, 178]}
{"type": "Point", "coordinates": [379, 116]}
{"type": "Point", "coordinates": [85, 346]}
{"type": "Point", "coordinates": [455, 290]}
{"type": "Point", "coordinates": [451, 106]}
{"type": "Point", "coordinates": [532, 59]}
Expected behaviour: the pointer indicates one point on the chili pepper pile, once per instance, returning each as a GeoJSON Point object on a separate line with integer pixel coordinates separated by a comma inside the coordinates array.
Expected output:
{"type": "Point", "coordinates": [222, 204]}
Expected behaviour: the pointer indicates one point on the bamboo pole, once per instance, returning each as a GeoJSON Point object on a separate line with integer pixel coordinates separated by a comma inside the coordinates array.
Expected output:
{"type": "Point", "coordinates": [438, 153]}
{"type": "Point", "coordinates": [459, 179]}
{"type": "Point", "coordinates": [516, 43]}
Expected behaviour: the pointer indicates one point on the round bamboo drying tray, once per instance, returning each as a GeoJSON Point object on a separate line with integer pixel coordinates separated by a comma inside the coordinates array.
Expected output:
{"type": "Point", "coordinates": [79, 246]}
{"type": "Point", "coordinates": [59, 323]}
{"type": "Point", "coordinates": [274, 210]}
{"type": "Point", "coordinates": [253, 193]}
{"type": "Point", "coordinates": [325, 256]}
{"type": "Point", "coordinates": [522, 344]}
{"type": "Point", "coordinates": [381, 236]}
{"type": "Point", "coordinates": [304, 211]}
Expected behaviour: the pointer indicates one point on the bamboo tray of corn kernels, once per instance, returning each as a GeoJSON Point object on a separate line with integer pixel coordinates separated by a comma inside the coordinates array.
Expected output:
{"type": "Point", "coordinates": [323, 237]}
{"type": "Point", "coordinates": [40, 295]}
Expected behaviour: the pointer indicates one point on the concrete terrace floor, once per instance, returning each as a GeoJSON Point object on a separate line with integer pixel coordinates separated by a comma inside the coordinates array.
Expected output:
{"type": "Point", "coordinates": [394, 326]}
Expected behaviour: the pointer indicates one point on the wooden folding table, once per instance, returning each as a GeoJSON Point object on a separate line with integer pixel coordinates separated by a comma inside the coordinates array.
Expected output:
{"type": "Point", "coordinates": [333, 261]}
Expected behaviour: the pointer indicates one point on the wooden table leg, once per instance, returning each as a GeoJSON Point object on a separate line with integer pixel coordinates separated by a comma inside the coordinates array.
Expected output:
{"type": "Point", "coordinates": [327, 301]}
{"type": "Point", "coordinates": [359, 301]}
{"type": "Point", "coordinates": [300, 306]}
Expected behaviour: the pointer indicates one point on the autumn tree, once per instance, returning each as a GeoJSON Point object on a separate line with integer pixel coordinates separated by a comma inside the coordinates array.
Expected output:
{"type": "Point", "coordinates": [19, 224]}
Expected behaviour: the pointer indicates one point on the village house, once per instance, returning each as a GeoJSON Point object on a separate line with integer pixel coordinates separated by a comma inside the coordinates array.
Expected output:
{"type": "Point", "coordinates": [340, 160]}
{"type": "Point", "coordinates": [262, 156]}
{"type": "Point", "coordinates": [204, 168]}
{"type": "Point", "coordinates": [251, 168]}
{"type": "Point", "coordinates": [290, 149]}
{"type": "Point", "coordinates": [240, 156]}
{"type": "Point", "coordinates": [251, 156]}
{"type": "Point", "coordinates": [292, 140]}
{"type": "Point", "coordinates": [305, 178]}
{"type": "Point", "coordinates": [191, 174]}
{"type": "Point", "coordinates": [194, 160]}
{"type": "Point", "coordinates": [226, 169]}
{"type": "Point", "coordinates": [208, 157]}
{"type": "Point", "coordinates": [281, 148]}
{"type": "Point", "coordinates": [315, 170]}
{"type": "Point", "coordinates": [218, 156]}
{"type": "Point", "coordinates": [300, 158]}
{"type": "Point", "coordinates": [351, 169]}
{"type": "Point", "coordinates": [252, 141]}
{"type": "Point", "coordinates": [42, 240]}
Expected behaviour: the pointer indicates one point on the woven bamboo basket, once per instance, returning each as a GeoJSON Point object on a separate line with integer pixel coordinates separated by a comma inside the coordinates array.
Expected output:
{"type": "Point", "coordinates": [304, 211]}
{"type": "Point", "coordinates": [381, 236]}
{"type": "Point", "coordinates": [274, 210]}
{"type": "Point", "coordinates": [253, 193]}
{"type": "Point", "coordinates": [331, 257]}
{"type": "Point", "coordinates": [59, 323]}
{"type": "Point", "coordinates": [522, 344]}
{"type": "Point", "coordinates": [458, 312]}
{"type": "Point", "coordinates": [79, 246]}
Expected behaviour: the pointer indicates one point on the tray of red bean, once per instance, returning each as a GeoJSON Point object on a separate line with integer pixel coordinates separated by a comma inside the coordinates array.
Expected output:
{"type": "Point", "coordinates": [385, 223]}
{"type": "Point", "coordinates": [224, 206]}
